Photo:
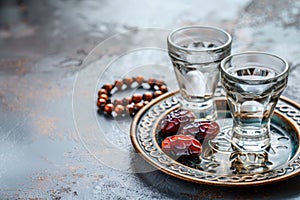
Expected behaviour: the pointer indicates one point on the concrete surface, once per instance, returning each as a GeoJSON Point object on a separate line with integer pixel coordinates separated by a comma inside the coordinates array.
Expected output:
{"type": "Point", "coordinates": [43, 45]}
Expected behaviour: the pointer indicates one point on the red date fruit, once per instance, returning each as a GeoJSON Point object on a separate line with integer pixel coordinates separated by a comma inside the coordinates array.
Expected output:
{"type": "Point", "coordinates": [201, 130]}
{"type": "Point", "coordinates": [171, 124]}
{"type": "Point", "coordinates": [181, 145]}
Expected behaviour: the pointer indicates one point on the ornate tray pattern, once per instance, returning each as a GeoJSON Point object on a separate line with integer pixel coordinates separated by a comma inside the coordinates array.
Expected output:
{"type": "Point", "coordinates": [144, 139]}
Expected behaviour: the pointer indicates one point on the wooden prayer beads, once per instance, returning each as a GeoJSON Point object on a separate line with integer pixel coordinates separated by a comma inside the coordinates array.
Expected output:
{"type": "Point", "coordinates": [128, 105]}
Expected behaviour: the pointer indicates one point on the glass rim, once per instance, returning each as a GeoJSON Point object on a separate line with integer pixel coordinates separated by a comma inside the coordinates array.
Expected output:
{"type": "Point", "coordinates": [227, 43]}
{"type": "Point", "coordinates": [284, 62]}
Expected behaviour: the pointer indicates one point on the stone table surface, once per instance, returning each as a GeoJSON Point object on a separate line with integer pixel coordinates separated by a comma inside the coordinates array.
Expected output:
{"type": "Point", "coordinates": [48, 67]}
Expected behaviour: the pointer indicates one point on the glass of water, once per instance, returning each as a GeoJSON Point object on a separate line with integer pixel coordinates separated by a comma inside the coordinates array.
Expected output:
{"type": "Point", "coordinates": [253, 82]}
{"type": "Point", "coordinates": [196, 53]}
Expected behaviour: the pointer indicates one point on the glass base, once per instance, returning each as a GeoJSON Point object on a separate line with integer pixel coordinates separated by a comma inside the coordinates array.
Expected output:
{"type": "Point", "coordinates": [251, 145]}
{"type": "Point", "coordinates": [251, 138]}
{"type": "Point", "coordinates": [223, 151]}
{"type": "Point", "coordinates": [227, 141]}
{"type": "Point", "coordinates": [203, 110]}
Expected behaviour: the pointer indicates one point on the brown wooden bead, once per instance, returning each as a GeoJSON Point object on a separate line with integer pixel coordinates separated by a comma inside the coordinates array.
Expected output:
{"type": "Point", "coordinates": [147, 96]}
{"type": "Point", "coordinates": [137, 98]}
{"type": "Point", "coordinates": [159, 83]}
{"type": "Point", "coordinates": [119, 109]}
{"type": "Point", "coordinates": [139, 79]}
{"type": "Point", "coordinates": [108, 87]}
{"type": "Point", "coordinates": [157, 93]}
{"type": "Point", "coordinates": [101, 102]}
{"type": "Point", "coordinates": [146, 102]}
{"type": "Point", "coordinates": [108, 108]}
{"type": "Point", "coordinates": [119, 84]}
{"type": "Point", "coordinates": [151, 82]}
{"type": "Point", "coordinates": [102, 91]}
{"type": "Point", "coordinates": [103, 96]}
{"type": "Point", "coordinates": [129, 108]}
{"type": "Point", "coordinates": [138, 106]}
{"type": "Point", "coordinates": [128, 81]}
{"type": "Point", "coordinates": [163, 88]}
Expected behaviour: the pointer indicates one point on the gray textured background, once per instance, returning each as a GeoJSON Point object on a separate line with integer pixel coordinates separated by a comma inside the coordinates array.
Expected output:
{"type": "Point", "coordinates": [42, 48]}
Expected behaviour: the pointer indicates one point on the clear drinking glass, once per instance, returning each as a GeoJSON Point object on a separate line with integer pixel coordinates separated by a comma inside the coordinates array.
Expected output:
{"type": "Point", "coordinates": [196, 53]}
{"type": "Point", "coordinates": [253, 82]}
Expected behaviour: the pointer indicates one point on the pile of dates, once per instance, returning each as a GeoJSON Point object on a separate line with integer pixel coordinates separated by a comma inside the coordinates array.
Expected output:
{"type": "Point", "coordinates": [183, 136]}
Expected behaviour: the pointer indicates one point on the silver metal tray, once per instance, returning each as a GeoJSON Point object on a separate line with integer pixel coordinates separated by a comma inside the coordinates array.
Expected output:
{"type": "Point", "coordinates": [218, 163]}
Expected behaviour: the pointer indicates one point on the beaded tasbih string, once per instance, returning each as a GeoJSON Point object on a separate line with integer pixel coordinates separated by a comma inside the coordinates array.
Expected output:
{"type": "Point", "coordinates": [128, 105]}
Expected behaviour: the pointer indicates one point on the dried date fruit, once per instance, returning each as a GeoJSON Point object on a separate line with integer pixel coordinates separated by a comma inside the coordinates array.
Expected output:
{"type": "Point", "coordinates": [201, 130]}
{"type": "Point", "coordinates": [171, 124]}
{"type": "Point", "coordinates": [181, 145]}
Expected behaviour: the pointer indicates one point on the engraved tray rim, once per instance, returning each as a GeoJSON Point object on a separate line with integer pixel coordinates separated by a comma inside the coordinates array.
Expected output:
{"type": "Point", "coordinates": [290, 169]}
